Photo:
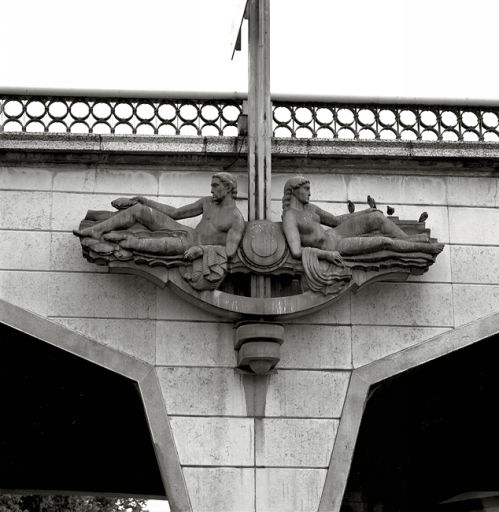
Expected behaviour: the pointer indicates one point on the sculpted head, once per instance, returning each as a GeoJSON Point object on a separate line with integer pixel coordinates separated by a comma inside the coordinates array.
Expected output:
{"type": "Point", "coordinates": [229, 185]}
{"type": "Point", "coordinates": [297, 186]}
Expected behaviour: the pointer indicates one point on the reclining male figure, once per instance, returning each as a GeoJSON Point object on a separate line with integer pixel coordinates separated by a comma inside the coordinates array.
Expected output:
{"type": "Point", "coordinates": [221, 223]}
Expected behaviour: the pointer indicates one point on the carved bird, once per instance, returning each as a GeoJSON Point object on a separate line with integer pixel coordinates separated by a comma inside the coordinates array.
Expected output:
{"type": "Point", "coordinates": [423, 217]}
{"type": "Point", "coordinates": [390, 210]}
{"type": "Point", "coordinates": [371, 202]}
{"type": "Point", "coordinates": [351, 206]}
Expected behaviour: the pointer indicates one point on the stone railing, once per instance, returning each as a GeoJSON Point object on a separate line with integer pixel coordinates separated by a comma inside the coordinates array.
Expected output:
{"type": "Point", "coordinates": [403, 122]}
{"type": "Point", "coordinates": [218, 116]}
{"type": "Point", "coordinates": [119, 116]}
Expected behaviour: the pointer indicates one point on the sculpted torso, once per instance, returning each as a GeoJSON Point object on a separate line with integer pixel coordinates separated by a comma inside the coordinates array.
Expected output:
{"type": "Point", "coordinates": [312, 234]}
{"type": "Point", "coordinates": [361, 232]}
{"type": "Point", "coordinates": [215, 222]}
{"type": "Point", "coordinates": [221, 223]}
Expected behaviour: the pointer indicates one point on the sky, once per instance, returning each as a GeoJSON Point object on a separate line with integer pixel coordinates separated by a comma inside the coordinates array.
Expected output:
{"type": "Point", "coordinates": [361, 48]}
{"type": "Point", "coordinates": [157, 506]}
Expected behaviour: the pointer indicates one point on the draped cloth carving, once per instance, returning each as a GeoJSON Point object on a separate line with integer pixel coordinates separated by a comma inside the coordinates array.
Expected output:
{"type": "Point", "coordinates": [306, 261]}
{"type": "Point", "coordinates": [321, 275]}
{"type": "Point", "coordinates": [207, 273]}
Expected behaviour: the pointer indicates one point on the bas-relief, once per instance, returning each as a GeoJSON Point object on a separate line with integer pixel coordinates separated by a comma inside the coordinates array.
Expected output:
{"type": "Point", "coordinates": [145, 231]}
{"type": "Point", "coordinates": [306, 261]}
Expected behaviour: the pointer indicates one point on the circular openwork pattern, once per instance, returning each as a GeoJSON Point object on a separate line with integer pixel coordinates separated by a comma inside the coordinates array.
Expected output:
{"type": "Point", "coordinates": [199, 118]}
{"type": "Point", "coordinates": [121, 116]}
{"type": "Point", "coordinates": [385, 122]}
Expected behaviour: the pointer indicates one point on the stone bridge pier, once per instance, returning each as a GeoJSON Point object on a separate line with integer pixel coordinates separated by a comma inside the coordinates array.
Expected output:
{"type": "Point", "coordinates": [207, 435]}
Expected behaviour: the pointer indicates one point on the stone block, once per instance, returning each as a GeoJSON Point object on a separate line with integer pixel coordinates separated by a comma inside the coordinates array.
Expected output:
{"type": "Point", "coordinates": [423, 304]}
{"type": "Point", "coordinates": [25, 250]}
{"type": "Point", "coordinates": [394, 189]}
{"type": "Point", "coordinates": [242, 183]}
{"type": "Point", "coordinates": [316, 346]}
{"type": "Point", "coordinates": [221, 489]}
{"type": "Point", "coordinates": [190, 183]}
{"type": "Point", "coordinates": [469, 191]}
{"type": "Point", "coordinates": [478, 226]}
{"type": "Point", "coordinates": [282, 442]}
{"type": "Point", "coordinates": [475, 264]}
{"type": "Point", "coordinates": [300, 393]}
{"type": "Point", "coordinates": [372, 342]}
{"type": "Point", "coordinates": [214, 441]}
{"type": "Point", "coordinates": [196, 183]}
{"type": "Point", "coordinates": [384, 189]}
{"type": "Point", "coordinates": [289, 489]}
{"type": "Point", "coordinates": [69, 209]}
{"type": "Point", "coordinates": [323, 187]}
{"type": "Point", "coordinates": [25, 210]}
{"type": "Point", "coordinates": [276, 210]}
{"type": "Point", "coordinates": [423, 190]}
{"type": "Point", "coordinates": [335, 313]}
{"type": "Point", "coordinates": [177, 202]}
{"type": "Point", "coordinates": [27, 290]}
{"type": "Point", "coordinates": [74, 180]}
{"type": "Point", "coordinates": [25, 178]}
{"type": "Point", "coordinates": [171, 307]}
{"type": "Point", "coordinates": [242, 204]}
{"type": "Point", "coordinates": [133, 337]}
{"type": "Point", "coordinates": [202, 391]}
{"type": "Point", "coordinates": [124, 181]}
{"type": "Point", "coordinates": [195, 344]}
{"type": "Point", "coordinates": [439, 272]}
{"type": "Point", "coordinates": [474, 301]}
{"type": "Point", "coordinates": [101, 296]}
{"type": "Point", "coordinates": [66, 255]}
{"type": "Point", "coordinates": [438, 219]}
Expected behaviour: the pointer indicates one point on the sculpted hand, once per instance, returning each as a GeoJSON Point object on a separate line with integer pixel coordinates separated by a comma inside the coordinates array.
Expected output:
{"type": "Point", "coordinates": [193, 253]}
{"type": "Point", "coordinates": [332, 256]}
{"type": "Point", "coordinates": [336, 258]}
{"type": "Point", "coordinates": [125, 202]}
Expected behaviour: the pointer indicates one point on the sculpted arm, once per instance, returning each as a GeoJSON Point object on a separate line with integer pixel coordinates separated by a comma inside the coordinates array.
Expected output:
{"type": "Point", "coordinates": [292, 234]}
{"type": "Point", "coordinates": [235, 234]}
{"type": "Point", "coordinates": [328, 219]}
{"type": "Point", "coordinates": [360, 213]}
{"type": "Point", "coordinates": [184, 212]}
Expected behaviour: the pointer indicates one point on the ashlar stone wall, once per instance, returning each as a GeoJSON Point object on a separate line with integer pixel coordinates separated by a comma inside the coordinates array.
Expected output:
{"type": "Point", "coordinates": [232, 461]}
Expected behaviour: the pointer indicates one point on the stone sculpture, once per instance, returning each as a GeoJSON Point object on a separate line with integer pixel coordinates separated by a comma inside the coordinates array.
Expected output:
{"type": "Point", "coordinates": [143, 229]}
{"type": "Point", "coordinates": [305, 264]}
{"type": "Point", "coordinates": [259, 272]}
{"type": "Point", "coordinates": [365, 235]}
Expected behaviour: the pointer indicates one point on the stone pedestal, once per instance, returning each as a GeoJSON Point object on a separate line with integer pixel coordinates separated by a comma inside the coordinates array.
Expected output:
{"type": "Point", "coordinates": [259, 345]}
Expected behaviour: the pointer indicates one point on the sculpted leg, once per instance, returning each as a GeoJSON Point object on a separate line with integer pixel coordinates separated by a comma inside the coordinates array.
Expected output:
{"type": "Point", "coordinates": [167, 246]}
{"type": "Point", "coordinates": [364, 224]}
{"type": "Point", "coordinates": [365, 245]}
{"type": "Point", "coordinates": [123, 219]}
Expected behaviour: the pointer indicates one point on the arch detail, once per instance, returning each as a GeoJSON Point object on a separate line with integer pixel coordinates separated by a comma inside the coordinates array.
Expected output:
{"type": "Point", "coordinates": [141, 372]}
{"type": "Point", "coordinates": [366, 376]}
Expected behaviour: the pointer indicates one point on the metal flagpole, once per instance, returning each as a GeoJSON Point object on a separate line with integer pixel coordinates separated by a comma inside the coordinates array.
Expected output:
{"type": "Point", "coordinates": [259, 123]}
{"type": "Point", "coordinates": [259, 115]}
